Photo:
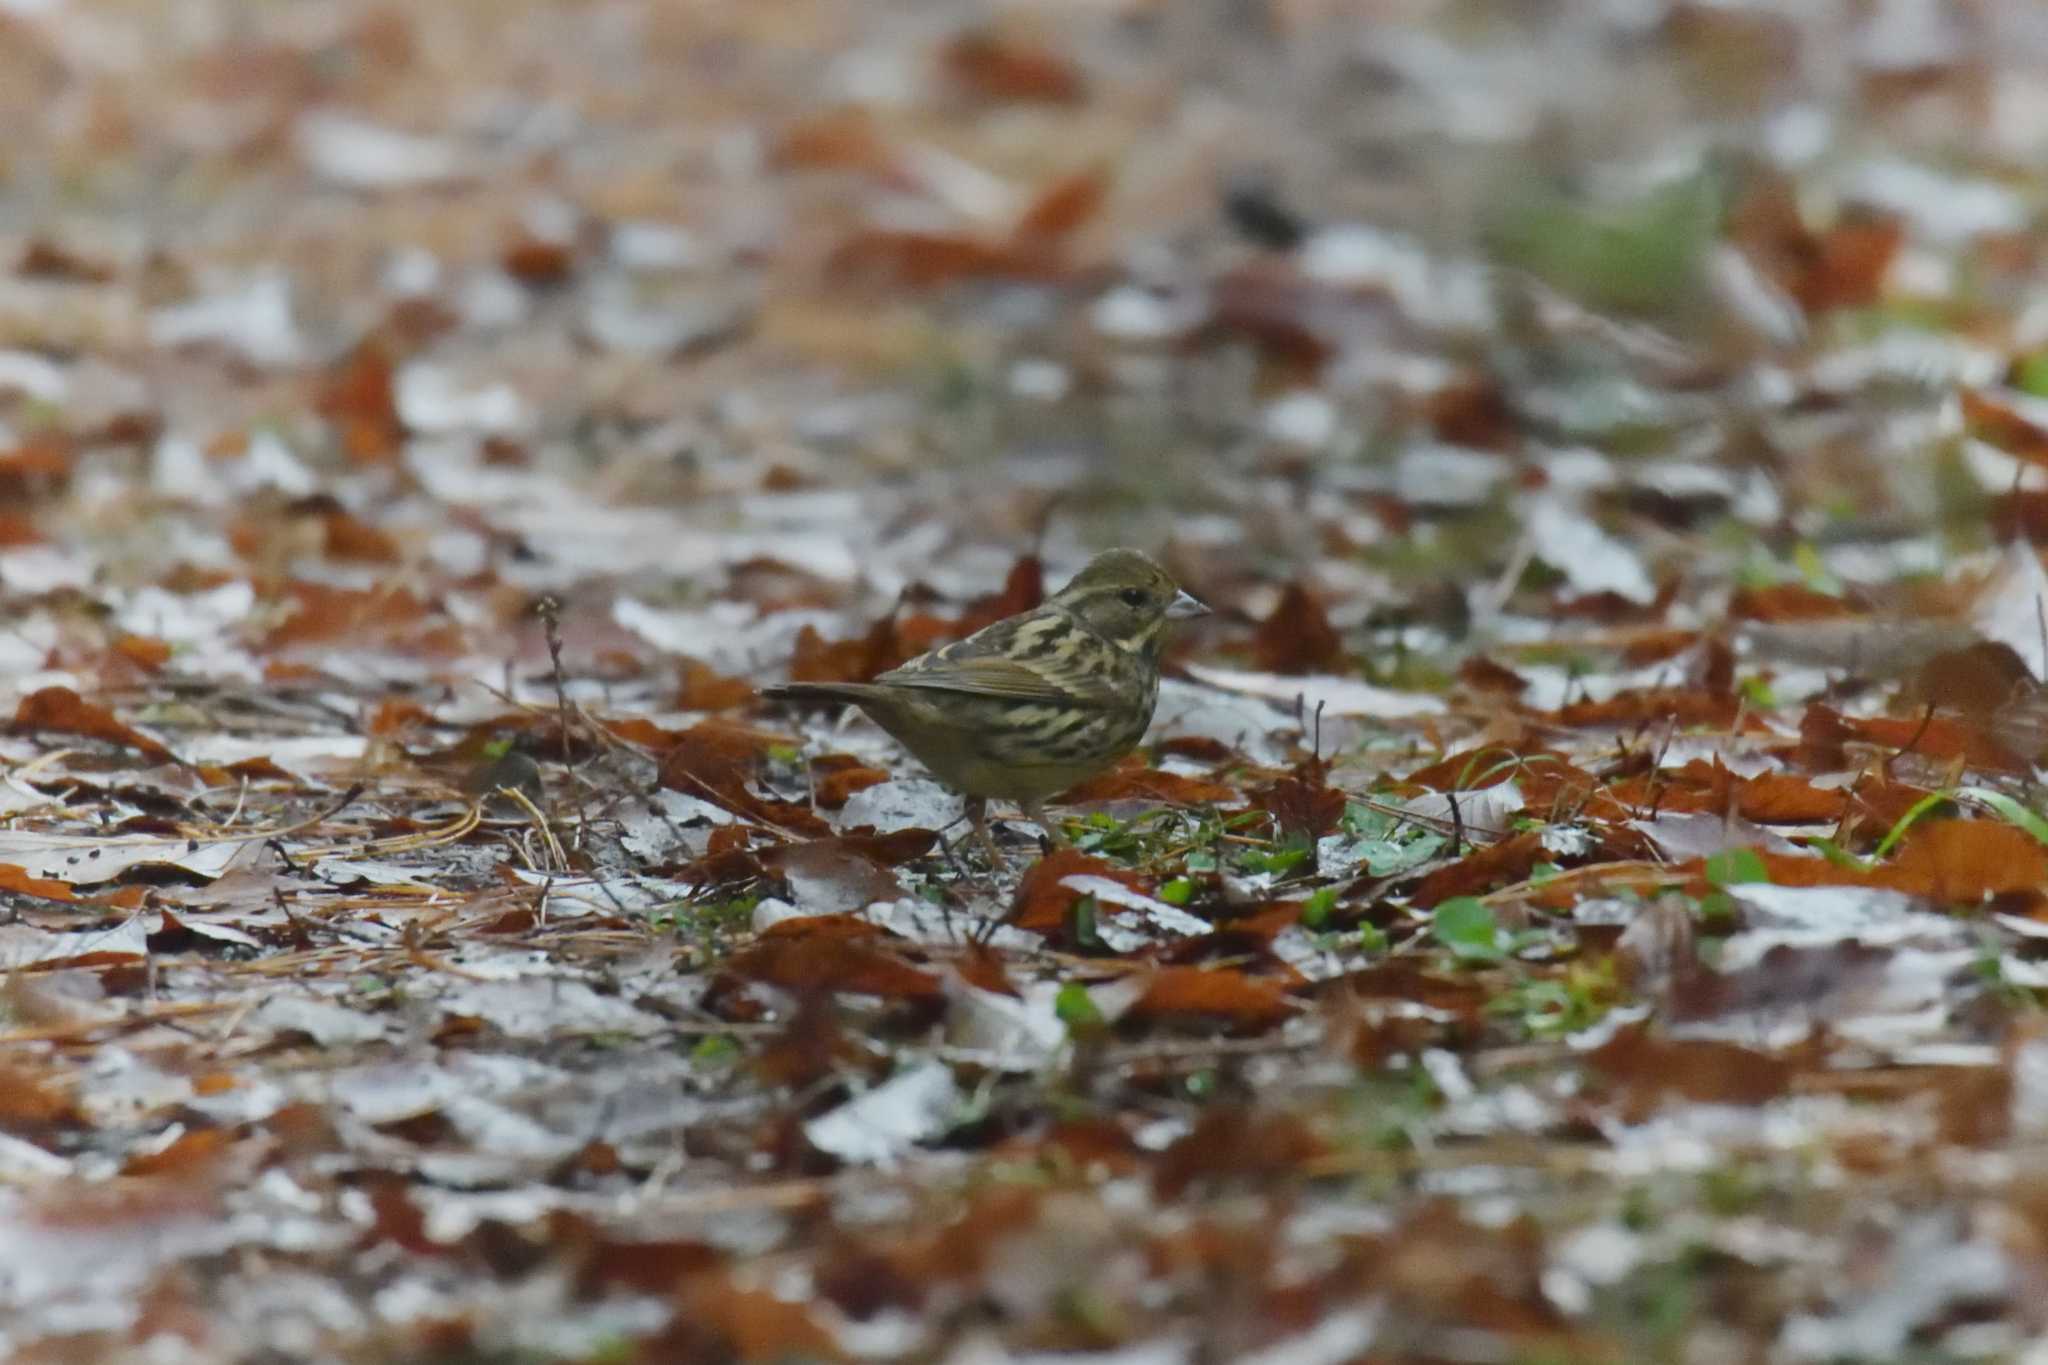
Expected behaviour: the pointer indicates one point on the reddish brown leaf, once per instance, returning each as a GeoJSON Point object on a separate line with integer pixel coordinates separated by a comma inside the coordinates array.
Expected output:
{"type": "Point", "coordinates": [997, 66]}
{"type": "Point", "coordinates": [817, 660]}
{"type": "Point", "coordinates": [717, 1319]}
{"type": "Point", "coordinates": [927, 260]}
{"type": "Point", "coordinates": [39, 463]}
{"type": "Point", "coordinates": [1023, 588]}
{"type": "Point", "coordinates": [1300, 807]}
{"type": "Point", "coordinates": [346, 537]}
{"type": "Point", "coordinates": [192, 1155]}
{"type": "Point", "coordinates": [33, 1098]}
{"type": "Point", "coordinates": [44, 259]}
{"type": "Point", "coordinates": [703, 688]}
{"type": "Point", "coordinates": [359, 397]}
{"type": "Point", "coordinates": [1488, 869]}
{"type": "Point", "coordinates": [1063, 206]}
{"type": "Point", "coordinates": [1977, 680]}
{"type": "Point", "coordinates": [1298, 637]}
{"type": "Point", "coordinates": [1133, 780]}
{"type": "Point", "coordinates": [1655, 646]}
{"type": "Point", "coordinates": [17, 529]}
{"type": "Point", "coordinates": [1221, 994]}
{"type": "Point", "coordinates": [2019, 514]}
{"type": "Point", "coordinates": [1648, 1071]}
{"type": "Point", "coordinates": [983, 967]}
{"type": "Point", "coordinates": [1995, 422]}
{"type": "Point", "coordinates": [323, 612]}
{"type": "Point", "coordinates": [1232, 1144]}
{"type": "Point", "coordinates": [1482, 674]}
{"type": "Point", "coordinates": [394, 716]}
{"type": "Point", "coordinates": [1941, 738]}
{"type": "Point", "coordinates": [840, 139]}
{"type": "Point", "coordinates": [1652, 706]}
{"type": "Point", "coordinates": [538, 263]}
{"type": "Point", "coordinates": [1043, 906]}
{"type": "Point", "coordinates": [1283, 317]}
{"type": "Point", "coordinates": [812, 957]}
{"type": "Point", "coordinates": [146, 654]}
{"type": "Point", "coordinates": [834, 777]}
{"type": "Point", "coordinates": [64, 711]}
{"type": "Point", "coordinates": [1787, 602]}
{"type": "Point", "coordinates": [716, 760]}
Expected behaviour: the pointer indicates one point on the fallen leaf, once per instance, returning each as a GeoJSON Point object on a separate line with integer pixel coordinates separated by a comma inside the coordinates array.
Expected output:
{"type": "Point", "coordinates": [64, 711]}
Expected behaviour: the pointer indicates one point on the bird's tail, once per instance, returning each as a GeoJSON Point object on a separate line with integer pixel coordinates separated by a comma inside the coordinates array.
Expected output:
{"type": "Point", "coordinates": [802, 691]}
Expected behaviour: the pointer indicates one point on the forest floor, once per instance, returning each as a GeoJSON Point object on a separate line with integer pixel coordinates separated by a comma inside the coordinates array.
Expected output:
{"type": "Point", "coordinates": [1584, 897]}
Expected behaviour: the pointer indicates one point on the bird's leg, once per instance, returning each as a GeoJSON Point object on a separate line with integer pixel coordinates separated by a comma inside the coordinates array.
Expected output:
{"type": "Point", "coordinates": [977, 812]}
{"type": "Point", "coordinates": [1036, 810]}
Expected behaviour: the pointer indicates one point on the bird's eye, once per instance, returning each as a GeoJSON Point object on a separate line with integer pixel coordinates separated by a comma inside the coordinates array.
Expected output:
{"type": "Point", "coordinates": [1132, 597]}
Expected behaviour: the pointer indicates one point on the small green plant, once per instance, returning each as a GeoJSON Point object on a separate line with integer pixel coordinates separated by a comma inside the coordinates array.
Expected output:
{"type": "Point", "coordinates": [1316, 910]}
{"type": "Point", "coordinates": [1075, 1008]}
{"type": "Point", "coordinates": [1735, 866]}
{"type": "Point", "coordinates": [1549, 1007]}
{"type": "Point", "coordinates": [1466, 925]}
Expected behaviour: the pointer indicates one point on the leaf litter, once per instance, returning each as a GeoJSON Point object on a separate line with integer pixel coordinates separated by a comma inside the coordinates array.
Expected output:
{"type": "Point", "coordinates": [1582, 893]}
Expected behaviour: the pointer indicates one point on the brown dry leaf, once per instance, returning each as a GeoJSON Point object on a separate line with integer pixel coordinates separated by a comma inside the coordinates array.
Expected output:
{"type": "Point", "coordinates": [603, 1261]}
{"type": "Point", "coordinates": [1300, 806]}
{"type": "Point", "coordinates": [2018, 514]}
{"type": "Point", "coordinates": [717, 760]}
{"type": "Point", "coordinates": [1782, 602]}
{"type": "Point", "coordinates": [35, 1099]}
{"type": "Point", "coordinates": [1023, 588]}
{"type": "Point", "coordinates": [64, 711]}
{"type": "Point", "coordinates": [1133, 780]}
{"type": "Point", "coordinates": [1225, 995]}
{"type": "Point", "coordinates": [1649, 1072]}
{"type": "Point", "coordinates": [1951, 862]}
{"type": "Point", "coordinates": [838, 139]}
{"type": "Point", "coordinates": [927, 260]}
{"type": "Point", "coordinates": [194, 1154]}
{"type": "Point", "coordinates": [1825, 731]}
{"type": "Point", "coordinates": [346, 537]}
{"type": "Point", "coordinates": [1233, 1145]}
{"type": "Point", "coordinates": [1488, 869]}
{"type": "Point", "coordinates": [1996, 423]}
{"type": "Point", "coordinates": [1298, 637]}
{"type": "Point", "coordinates": [1043, 906]}
{"type": "Point", "coordinates": [39, 463]}
{"type": "Point", "coordinates": [718, 1320]}
{"type": "Point", "coordinates": [537, 263]}
{"type": "Point", "coordinates": [1280, 315]}
{"type": "Point", "coordinates": [143, 652]}
{"type": "Point", "coordinates": [44, 259]}
{"type": "Point", "coordinates": [1650, 706]}
{"type": "Point", "coordinates": [17, 529]}
{"type": "Point", "coordinates": [1708, 787]}
{"type": "Point", "coordinates": [817, 660]}
{"type": "Point", "coordinates": [834, 777]}
{"type": "Point", "coordinates": [359, 397]}
{"type": "Point", "coordinates": [997, 66]}
{"type": "Point", "coordinates": [1978, 680]}
{"type": "Point", "coordinates": [323, 613]}
{"type": "Point", "coordinates": [831, 953]}
{"type": "Point", "coordinates": [701, 687]}
{"type": "Point", "coordinates": [1482, 674]}
{"type": "Point", "coordinates": [1062, 207]}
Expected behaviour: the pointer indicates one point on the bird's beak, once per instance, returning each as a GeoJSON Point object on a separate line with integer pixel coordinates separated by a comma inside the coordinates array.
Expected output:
{"type": "Point", "coordinates": [1184, 605]}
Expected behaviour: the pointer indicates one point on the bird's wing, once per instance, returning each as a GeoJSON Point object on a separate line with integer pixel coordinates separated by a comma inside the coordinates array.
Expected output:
{"type": "Point", "coordinates": [1018, 660]}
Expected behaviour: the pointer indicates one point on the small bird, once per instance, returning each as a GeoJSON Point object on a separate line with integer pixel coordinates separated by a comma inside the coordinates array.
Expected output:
{"type": "Point", "coordinates": [1033, 704]}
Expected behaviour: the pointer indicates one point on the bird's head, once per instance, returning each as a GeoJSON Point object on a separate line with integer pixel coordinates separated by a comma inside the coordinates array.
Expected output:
{"type": "Point", "coordinates": [1127, 599]}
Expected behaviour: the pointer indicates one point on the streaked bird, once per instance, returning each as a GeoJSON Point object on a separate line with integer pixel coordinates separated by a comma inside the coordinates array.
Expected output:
{"type": "Point", "coordinates": [1029, 706]}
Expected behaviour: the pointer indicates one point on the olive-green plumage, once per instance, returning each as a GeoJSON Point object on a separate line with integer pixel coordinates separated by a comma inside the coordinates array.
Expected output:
{"type": "Point", "coordinates": [1036, 702]}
